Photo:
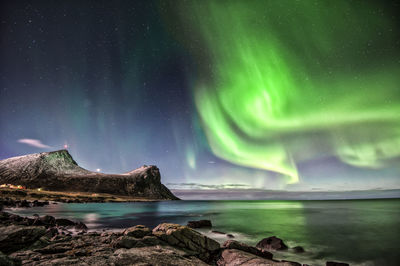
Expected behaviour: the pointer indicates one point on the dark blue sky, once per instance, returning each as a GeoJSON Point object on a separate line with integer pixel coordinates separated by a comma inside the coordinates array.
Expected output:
{"type": "Point", "coordinates": [113, 80]}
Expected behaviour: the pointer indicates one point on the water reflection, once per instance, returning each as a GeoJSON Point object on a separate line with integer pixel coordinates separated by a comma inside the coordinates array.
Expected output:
{"type": "Point", "coordinates": [359, 231]}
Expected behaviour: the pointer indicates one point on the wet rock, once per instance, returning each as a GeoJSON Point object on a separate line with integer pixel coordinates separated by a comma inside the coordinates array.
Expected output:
{"type": "Point", "coordinates": [217, 232]}
{"type": "Point", "coordinates": [138, 231]}
{"type": "Point", "coordinates": [199, 224]}
{"type": "Point", "coordinates": [48, 220]}
{"type": "Point", "coordinates": [13, 238]}
{"type": "Point", "coordinates": [15, 218]}
{"type": "Point", "coordinates": [230, 235]}
{"type": "Point", "coordinates": [185, 237]}
{"type": "Point", "coordinates": [81, 226]}
{"type": "Point", "coordinates": [64, 222]}
{"type": "Point", "coordinates": [298, 249]}
{"type": "Point", "coordinates": [239, 257]}
{"type": "Point", "coordinates": [333, 263]}
{"type": "Point", "coordinates": [23, 204]}
{"type": "Point", "coordinates": [51, 232]}
{"type": "Point", "coordinates": [232, 244]}
{"type": "Point", "coordinates": [293, 263]}
{"type": "Point", "coordinates": [271, 243]}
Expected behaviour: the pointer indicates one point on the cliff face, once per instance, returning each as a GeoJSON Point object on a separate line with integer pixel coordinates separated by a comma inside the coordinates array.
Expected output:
{"type": "Point", "coordinates": [57, 171]}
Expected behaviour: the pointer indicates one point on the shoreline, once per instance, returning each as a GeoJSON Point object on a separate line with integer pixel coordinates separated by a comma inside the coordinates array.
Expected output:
{"type": "Point", "coordinates": [57, 241]}
{"type": "Point", "coordinates": [8, 195]}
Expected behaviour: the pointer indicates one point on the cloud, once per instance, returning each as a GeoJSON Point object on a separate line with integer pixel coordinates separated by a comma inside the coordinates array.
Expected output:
{"type": "Point", "coordinates": [34, 143]}
{"type": "Point", "coordinates": [262, 194]}
{"type": "Point", "coordinates": [203, 186]}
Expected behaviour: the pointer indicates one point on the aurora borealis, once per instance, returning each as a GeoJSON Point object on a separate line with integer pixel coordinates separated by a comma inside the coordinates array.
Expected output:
{"type": "Point", "coordinates": [240, 94]}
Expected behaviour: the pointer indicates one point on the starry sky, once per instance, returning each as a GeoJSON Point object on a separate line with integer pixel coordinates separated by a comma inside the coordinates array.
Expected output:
{"type": "Point", "coordinates": [275, 95]}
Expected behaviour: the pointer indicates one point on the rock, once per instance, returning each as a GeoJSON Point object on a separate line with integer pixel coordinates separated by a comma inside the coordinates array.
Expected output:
{"type": "Point", "coordinates": [64, 222]}
{"type": "Point", "coordinates": [125, 242]}
{"type": "Point", "coordinates": [217, 232]}
{"type": "Point", "coordinates": [298, 249]}
{"type": "Point", "coordinates": [232, 244]}
{"type": "Point", "coordinates": [199, 224]}
{"type": "Point", "coordinates": [6, 261]}
{"type": "Point", "coordinates": [58, 171]}
{"type": "Point", "coordinates": [14, 218]}
{"type": "Point", "coordinates": [155, 255]}
{"type": "Point", "coordinates": [137, 231]}
{"type": "Point", "coordinates": [23, 204]}
{"type": "Point", "coordinates": [333, 263]}
{"type": "Point", "coordinates": [293, 263]}
{"type": "Point", "coordinates": [271, 243]}
{"type": "Point", "coordinates": [185, 237]}
{"type": "Point", "coordinates": [13, 238]}
{"type": "Point", "coordinates": [130, 242]}
{"type": "Point", "coordinates": [54, 248]}
{"type": "Point", "coordinates": [40, 243]}
{"type": "Point", "coordinates": [230, 235]}
{"type": "Point", "coordinates": [81, 226]}
{"type": "Point", "coordinates": [51, 232]}
{"type": "Point", "coordinates": [238, 257]}
{"type": "Point", "coordinates": [48, 220]}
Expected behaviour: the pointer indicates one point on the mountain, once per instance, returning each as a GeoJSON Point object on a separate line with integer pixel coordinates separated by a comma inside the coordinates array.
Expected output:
{"type": "Point", "coordinates": [58, 171]}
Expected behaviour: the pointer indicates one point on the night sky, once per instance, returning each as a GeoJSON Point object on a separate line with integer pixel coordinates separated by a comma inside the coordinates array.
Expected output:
{"type": "Point", "coordinates": [283, 95]}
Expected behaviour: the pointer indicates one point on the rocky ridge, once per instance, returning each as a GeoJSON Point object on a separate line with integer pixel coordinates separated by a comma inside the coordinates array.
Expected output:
{"type": "Point", "coordinates": [58, 171]}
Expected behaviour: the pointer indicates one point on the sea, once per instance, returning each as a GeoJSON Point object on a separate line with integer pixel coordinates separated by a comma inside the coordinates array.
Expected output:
{"type": "Point", "coordinates": [359, 232]}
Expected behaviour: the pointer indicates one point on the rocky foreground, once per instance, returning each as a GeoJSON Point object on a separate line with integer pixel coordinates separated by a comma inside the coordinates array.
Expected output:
{"type": "Point", "coordinates": [58, 171]}
{"type": "Point", "coordinates": [49, 241]}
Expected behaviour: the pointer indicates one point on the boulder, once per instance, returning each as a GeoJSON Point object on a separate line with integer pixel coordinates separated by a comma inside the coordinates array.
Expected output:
{"type": "Point", "coordinates": [271, 243]}
{"type": "Point", "coordinates": [333, 263]}
{"type": "Point", "coordinates": [48, 220]}
{"type": "Point", "coordinates": [217, 232]}
{"type": "Point", "coordinates": [81, 226]}
{"type": "Point", "coordinates": [232, 244]}
{"type": "Point", "coordinates": [239, 257]}
{"type": "Point", "coordinates": [64, 222]}
{"type": "Point", "coordinates": [155, 255]}
{"type": "Point", "coordinates": [298, 249]}
{"type": "Point", "coordinates": [13, 237]}
{"type": "Point", "coordinates": [185, 237]}
{"type": "Point", "coordinates": [131, 242]}
{"type": "Point", "coordinates": [137, 231]}
{"type": "Point", "coordinates": [199, 224]}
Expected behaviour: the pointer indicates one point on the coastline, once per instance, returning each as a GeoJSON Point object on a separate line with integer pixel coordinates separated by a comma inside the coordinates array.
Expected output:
{"type": "Point", "coordinates": [141, 213]}
{"type": "Point", "coordinates": [8, 195]}
{"type": "Point", "coordinates": [47, 240]}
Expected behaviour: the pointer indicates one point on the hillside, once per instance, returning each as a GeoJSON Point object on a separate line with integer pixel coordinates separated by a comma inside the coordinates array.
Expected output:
{"type": "Point", "coordinates": [58, 171]}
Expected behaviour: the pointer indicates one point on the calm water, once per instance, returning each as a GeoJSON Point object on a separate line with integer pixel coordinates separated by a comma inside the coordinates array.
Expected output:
{"type": "Point", "coordinates": [361, 232]}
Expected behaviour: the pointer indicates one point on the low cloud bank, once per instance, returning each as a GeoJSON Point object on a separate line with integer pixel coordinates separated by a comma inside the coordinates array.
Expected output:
{"type": "Point", "coordinates": [261, 194]}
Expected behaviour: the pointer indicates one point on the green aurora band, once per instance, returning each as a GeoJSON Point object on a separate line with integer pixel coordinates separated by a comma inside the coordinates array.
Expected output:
{"type": "Point", "coordinates": [283, 81]}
